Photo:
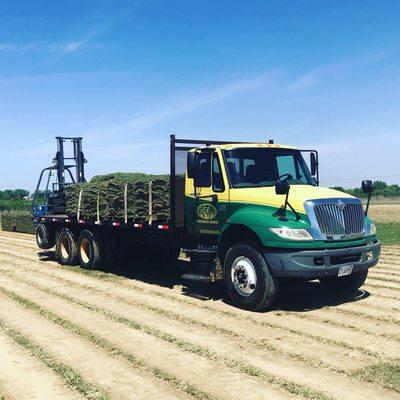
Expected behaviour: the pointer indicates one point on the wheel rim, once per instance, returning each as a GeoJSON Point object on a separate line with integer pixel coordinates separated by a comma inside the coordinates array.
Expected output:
{"type": "Point", "coordinates": [85, 250]}
{"type": "Point", "coordinates": [244, 276]}
{"type": "Point", "coordinates": [39, 237]}
{"type": "Point", "coordinates": [64, 247]}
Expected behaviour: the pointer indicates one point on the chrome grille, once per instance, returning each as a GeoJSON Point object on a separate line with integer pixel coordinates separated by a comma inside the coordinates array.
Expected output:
{"type": "Point", "coordinates": [340, 218]}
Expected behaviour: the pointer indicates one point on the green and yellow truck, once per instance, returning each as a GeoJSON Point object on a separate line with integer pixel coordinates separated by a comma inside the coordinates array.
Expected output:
{"type": "Point", "coordinates": [254, 211]}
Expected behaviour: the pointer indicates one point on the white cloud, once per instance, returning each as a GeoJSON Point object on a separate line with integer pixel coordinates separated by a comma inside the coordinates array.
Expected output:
{"type": "Point", "coordinates": [186, 103]}
{"type": "Point", "coordinates": [317, 74]}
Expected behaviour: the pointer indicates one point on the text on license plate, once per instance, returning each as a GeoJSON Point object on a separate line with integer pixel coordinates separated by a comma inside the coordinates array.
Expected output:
{"type": "Point", "coordinates": [345, 270]}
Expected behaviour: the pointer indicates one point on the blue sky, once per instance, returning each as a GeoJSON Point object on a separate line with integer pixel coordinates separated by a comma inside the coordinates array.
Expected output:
{"type": "Point", "coordinates": [126, 74]}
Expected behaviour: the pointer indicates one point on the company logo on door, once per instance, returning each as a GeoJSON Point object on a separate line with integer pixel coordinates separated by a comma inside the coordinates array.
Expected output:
{"type": "Point", "coordinates": [206, 211]}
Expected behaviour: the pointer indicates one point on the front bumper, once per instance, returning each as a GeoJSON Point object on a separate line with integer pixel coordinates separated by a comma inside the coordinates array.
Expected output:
{"type": "Point", "coordinates": [320, 263]}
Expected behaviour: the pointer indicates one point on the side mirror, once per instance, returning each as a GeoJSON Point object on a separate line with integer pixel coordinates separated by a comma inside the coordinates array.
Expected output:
{"type": "Point", "coordinates": [366, 187]}
{"type": "Point", "coordinates": [202, 170]}
{"type": "Point", "coordinates": [282, 187]}
{"type": "Point", "coordinates": [313, 163]}
{"type": "Point", "coordinates": [191, 164]}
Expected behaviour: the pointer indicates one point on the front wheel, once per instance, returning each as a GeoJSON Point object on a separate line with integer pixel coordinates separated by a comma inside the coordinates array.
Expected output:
{"type": "Point", "coordinates": [247, 278]}
{"type": "Point", "coordinates": [345, 284]}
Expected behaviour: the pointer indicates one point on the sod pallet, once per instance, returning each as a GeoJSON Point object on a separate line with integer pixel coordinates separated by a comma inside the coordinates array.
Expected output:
{"type": "Point", "coordinates": [17, 221]}
{"type": "Point", "coordinates": [118, 196]}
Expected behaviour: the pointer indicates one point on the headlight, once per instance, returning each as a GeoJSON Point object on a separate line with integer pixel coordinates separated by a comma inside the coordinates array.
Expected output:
{"type": "Point", "coordinates": [372, 229]}
{"type": "Point", "coordinates": [292, 234]}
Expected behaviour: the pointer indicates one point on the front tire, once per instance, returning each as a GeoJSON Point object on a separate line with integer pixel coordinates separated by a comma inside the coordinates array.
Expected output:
{"type": "Point", "coordinates": [247, 278]}
{"type": "Point", "coordinates": [345, 284]}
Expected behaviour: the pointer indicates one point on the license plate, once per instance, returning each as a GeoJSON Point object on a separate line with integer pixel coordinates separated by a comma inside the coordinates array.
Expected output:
{"type": "Point", "coordinates": [345, 270]}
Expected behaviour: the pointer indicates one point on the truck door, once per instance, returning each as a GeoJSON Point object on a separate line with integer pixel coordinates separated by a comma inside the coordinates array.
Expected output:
{"type": "Point", "coordinates": [208, 206]}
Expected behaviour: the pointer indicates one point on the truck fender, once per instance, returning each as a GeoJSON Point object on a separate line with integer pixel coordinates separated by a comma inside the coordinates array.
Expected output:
{"type": "Point", "coordinates": [235, 233]}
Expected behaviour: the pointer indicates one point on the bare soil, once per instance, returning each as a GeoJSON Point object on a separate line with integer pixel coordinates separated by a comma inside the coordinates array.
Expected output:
{"type": "Point", "coordinates": [140, 332]}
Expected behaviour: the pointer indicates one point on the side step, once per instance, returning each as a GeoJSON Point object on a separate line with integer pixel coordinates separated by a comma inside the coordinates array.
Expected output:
{"type": "Point", "coordinates": [197, 277]}
{"type": "Point", "coordinates": [202, 264]}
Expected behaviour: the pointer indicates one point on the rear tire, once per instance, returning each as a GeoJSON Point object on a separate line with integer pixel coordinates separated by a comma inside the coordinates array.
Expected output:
{"type": "Point", "coordinates": [345, 284]}
{"type": "Point", "coordinates": [247, 278]}
{"type": "Point", "coordinates": [67, 252]}
{"type": "Point", "coordinates": [44, 237]}
{"type": "Point", "coordinates": [91, 250]}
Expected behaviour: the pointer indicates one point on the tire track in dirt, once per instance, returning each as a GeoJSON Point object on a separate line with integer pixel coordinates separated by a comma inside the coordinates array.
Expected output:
{"type": "Point", "coordinates": [308, 376]}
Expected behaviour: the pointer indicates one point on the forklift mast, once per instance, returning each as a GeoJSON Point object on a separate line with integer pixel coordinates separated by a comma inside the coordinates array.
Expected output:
{"type": "Point", "coordinates": [78, 159]}
{"type": "Point", "coordinates": [55, 196]}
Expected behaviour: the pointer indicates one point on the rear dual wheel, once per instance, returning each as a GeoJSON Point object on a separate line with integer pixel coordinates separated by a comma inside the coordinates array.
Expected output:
{"type": "Point", "coordinates": [86, 250]}
{"type": "Point", "coordinates": [66, 249]}
{"type": "Point", "coordinates": [91, 250]}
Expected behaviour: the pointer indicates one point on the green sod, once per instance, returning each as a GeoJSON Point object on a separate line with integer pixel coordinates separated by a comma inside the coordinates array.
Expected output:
{"type": "Point", "coordinates": [104, 197]}
{"type": "Point", "coordinates": [17, 221]}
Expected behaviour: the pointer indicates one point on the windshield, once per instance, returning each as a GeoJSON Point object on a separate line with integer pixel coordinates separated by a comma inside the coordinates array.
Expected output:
{"type": "Point", "coordinates": [257, 167]}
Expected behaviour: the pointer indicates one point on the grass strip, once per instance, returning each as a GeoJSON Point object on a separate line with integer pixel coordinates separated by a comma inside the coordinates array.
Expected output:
{"type": "Point", "coordinates": [389, 233]}
{"type": "Point", "coordinates": [109, 347]}
{"type": "Point", "coordinates": [236, 365]}
{"type": "Point", "coordinates": [344, 325]}
{"type": "Point", "coordinates": [386, 374]}
{"type": "Point", "coordinates": [67, 374]}
{"type": "Point", "coordinates": [261, 344]}
{"type": "Point", "coordinates": [385, 279]}
{"type": "Point", "coordinates": [109, 277]}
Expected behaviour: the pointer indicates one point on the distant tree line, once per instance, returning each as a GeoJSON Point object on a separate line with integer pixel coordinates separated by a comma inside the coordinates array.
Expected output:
{"type": "Point", "coordinates": [380, 189]}
{"type": "Point", "coordinates": [17, 199]}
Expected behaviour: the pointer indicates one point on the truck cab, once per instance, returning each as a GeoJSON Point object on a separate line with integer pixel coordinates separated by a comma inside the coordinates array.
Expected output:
{"type": "Point", "coordinates": [272, 221]}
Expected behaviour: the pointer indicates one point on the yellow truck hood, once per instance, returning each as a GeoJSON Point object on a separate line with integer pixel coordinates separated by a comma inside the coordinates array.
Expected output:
{"type": "Point", "coordinates": [297, 196]}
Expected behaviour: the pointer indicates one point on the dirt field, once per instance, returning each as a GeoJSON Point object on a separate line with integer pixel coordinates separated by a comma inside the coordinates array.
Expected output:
{"type": "Point", "coordinates": [66, 333]}
{"type": "Point", "coordinates": [385, 212]}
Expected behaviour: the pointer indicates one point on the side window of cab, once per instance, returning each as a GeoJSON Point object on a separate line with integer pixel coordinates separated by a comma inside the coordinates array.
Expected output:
{"type": "Point", "coordinates": [217, 178]}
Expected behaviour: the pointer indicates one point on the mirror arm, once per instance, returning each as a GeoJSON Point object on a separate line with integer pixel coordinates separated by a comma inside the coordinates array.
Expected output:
{"type": "Point", "coordinates": [282, 211]}
{"type": "Point", "coordinates": [298, 218]}
{"type": "Point", "coordinates": [367, 206]}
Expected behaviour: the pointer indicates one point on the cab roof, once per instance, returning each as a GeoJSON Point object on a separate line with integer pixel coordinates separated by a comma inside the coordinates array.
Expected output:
{"type": "Point", "coordinates": [249, 145]}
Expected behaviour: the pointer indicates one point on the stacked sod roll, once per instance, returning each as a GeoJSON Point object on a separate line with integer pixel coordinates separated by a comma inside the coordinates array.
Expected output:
{"type": "Point", "coordinates": [120, 196]}
{"type": "Point", "coordinates": [17, 221]}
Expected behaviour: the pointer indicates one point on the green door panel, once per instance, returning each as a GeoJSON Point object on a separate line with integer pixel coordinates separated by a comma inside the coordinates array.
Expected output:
{"type": "Point", "coordinates": [202, 215]}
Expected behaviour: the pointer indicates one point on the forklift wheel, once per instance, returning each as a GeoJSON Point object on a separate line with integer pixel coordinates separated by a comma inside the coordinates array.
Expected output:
{"type": "Point", "coordinates": [44, 239]}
